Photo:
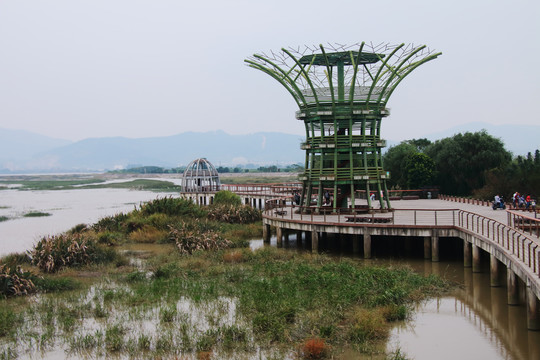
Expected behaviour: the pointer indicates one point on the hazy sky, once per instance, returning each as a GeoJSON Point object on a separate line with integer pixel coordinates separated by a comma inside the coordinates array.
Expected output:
{"type": "Point", "coordinates": [76, 69]}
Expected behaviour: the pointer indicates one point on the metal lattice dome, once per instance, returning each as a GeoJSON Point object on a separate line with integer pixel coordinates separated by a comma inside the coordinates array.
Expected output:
{"type": "Point", "coordinates": [200, 176]}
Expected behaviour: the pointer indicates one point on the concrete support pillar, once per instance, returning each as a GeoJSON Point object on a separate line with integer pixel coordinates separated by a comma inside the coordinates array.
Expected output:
{"type": "Point", "coordinates": [427, 247]}
{"type": "Point", "coordinates": [434, 246]}
{"type": "Point", "coordinates": [467, 254]}
{"type": "Point", "coordinates": [512, 288]}
{"type": "Point", "coordinates": [367, 244]}
{"type": "Point", "coordinates": [314, 241]}
{"type": "Point", "coordinates": [356, 244]}
{"type": "Point", "coordinates": [279, 236]}
{"type": "Point", "coordinates": [533, 320]}
{"type": "Point", "coordinates": [286, 235]}
{"type": "Point", "coordinates": [299, 238]}
{"type": "Point", "coordinates": [494, 271]}
{"type": "Point", "coordinates": [476, 268]}
{"type": "Point", "coordinates": [266, 233]}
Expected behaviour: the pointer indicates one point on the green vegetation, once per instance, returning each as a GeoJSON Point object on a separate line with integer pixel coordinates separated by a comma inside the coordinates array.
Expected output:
{"type": "Point", "coordinates": [36, 214]}
{"type": "Point", "coordinates": [471, 164]}
{"type": "Point", "coordinates": [3, 218]}
{"type": "Point", "coordinates": [226, 197]}
{"type": "Point", "coordinates": [188, 273]}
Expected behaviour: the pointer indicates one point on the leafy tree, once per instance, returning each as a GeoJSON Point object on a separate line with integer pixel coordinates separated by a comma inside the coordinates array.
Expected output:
{"type": "Point", "coordinates": [420, 170]}
{"type": "Point", "coordinates": [395, 161]}
{"type": "Point", "coordinates": [462, 161]}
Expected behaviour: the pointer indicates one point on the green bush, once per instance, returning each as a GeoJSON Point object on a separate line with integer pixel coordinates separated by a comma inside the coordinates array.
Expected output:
{"type": "Point", "coordinates": [171, 206]}
{"type": "Point", "coordinates": [110, 223]}
{"type": "Point", "coordinates": [226, 197]}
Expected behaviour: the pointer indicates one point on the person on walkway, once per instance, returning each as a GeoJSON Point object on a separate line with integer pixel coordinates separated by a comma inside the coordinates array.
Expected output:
{"type": "Point", "coordinates": [327, 197]}
{"type": "Point", "coordinates": [527, 202]}
{"type": "Point", "coordinates": [515, 200]}
{"type": "Point", "coordinates": [497, 201]}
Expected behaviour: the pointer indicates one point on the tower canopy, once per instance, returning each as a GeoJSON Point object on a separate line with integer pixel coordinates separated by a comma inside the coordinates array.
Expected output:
{"type": "Point", "coordinates": [343, 57]}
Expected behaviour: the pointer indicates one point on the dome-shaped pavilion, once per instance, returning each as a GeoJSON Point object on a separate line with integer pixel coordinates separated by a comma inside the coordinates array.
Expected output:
{"type": "Point", "coordinates": [200, 176]}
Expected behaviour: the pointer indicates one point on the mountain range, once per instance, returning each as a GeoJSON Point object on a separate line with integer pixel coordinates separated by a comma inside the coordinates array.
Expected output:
{"type": "Point", "coordinates": [23, 151]}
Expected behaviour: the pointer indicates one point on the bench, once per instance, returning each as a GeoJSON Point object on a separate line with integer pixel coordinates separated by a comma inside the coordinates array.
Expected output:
{"type": "Point", "coordinates": [280, 212]}
{"type": "Point", "coordinates": [367, 219]}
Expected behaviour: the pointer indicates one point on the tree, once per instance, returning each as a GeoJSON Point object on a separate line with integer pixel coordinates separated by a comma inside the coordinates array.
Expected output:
{"type": "Point", "coordinates": [395, 160]}
{"type": "Point", "coordinates": [462, 161]}
{"type": "Point", "coordinates": [420, 170]}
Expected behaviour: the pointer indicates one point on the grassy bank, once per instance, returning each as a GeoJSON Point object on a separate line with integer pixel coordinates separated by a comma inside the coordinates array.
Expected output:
{"type": "Point", "coordinates": [170, 279]}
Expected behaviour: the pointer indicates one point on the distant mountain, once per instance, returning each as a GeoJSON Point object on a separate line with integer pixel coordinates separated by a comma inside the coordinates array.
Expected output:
{"type": "Point", "coordinates": [18, 145]}
{"type": "Point", "coordinates": [95, 154]}
{"type": "Point", "coordinates": [22, 151]}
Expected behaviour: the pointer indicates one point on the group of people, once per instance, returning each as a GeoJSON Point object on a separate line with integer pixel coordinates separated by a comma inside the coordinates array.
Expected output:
{"type": "Point", "coordinates": [522, 201]}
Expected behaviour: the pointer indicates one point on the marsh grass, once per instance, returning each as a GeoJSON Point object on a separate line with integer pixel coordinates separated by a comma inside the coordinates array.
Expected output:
{"type": "Point", "coordinates": [4, 218]}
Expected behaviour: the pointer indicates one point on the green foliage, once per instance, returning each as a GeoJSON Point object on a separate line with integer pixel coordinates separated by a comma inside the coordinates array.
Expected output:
{"type": "Point", "coordinates": [226, 197]}
{"type": "Point", "coordinates": [395, 161]}
{"type": "Point", "coordinates": [233, 214]}
{"type": "Point", "coordinates": [15, 281]}
{"type": "Point", "coordinates": [111, 223]}
{"type": "Point", "coordinates": [462, 161]}
{"type": "Point", "coordinates": [36, 214]}
{"type": "Point", "coordinates": [420, 170]}
{"type": "Point", "coordinates": [171, 206]}
{"type": "Point", "coordinates": [53, 284]}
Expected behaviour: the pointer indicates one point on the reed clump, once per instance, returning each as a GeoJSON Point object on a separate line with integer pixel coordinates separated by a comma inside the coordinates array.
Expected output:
{"type": "Point", "coordinates": [189, 238]}
{"type": "Point", "coordinates": [15, 281]}
{"type": "Point", "coordinates": [53, 253]}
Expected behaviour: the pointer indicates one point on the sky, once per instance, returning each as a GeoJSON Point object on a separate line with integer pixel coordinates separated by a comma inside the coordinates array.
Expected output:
{"type": "Point", "coordinates": [76, 69]}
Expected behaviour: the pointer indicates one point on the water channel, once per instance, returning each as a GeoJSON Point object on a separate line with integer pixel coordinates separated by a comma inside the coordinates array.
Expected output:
{"type": "Point", "coordinates": [474, 322]}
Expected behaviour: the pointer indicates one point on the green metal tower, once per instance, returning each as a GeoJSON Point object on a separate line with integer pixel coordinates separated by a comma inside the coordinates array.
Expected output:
{"type": "Point", "coordinates": [342, 92]}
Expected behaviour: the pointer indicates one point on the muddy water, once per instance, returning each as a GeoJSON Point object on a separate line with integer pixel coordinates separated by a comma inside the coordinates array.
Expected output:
{"type": "Point", "coordinates": [473, 322]}
{"type": "Point", "coordinates": [67, 208]}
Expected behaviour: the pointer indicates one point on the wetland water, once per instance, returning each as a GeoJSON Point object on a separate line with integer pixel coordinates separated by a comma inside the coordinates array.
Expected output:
{"type": "Point", "coordinates": [473, 322]}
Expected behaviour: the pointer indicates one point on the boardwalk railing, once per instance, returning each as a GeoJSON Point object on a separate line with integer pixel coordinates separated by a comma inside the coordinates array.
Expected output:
{"type": "Point", "coordinates": [519, 244]}
{"type": "Point", "coordinates": [523, 247]}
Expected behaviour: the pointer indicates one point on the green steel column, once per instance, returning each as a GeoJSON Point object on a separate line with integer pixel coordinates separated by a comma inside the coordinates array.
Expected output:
{"type": "Point", "coordinates": [341, 82]}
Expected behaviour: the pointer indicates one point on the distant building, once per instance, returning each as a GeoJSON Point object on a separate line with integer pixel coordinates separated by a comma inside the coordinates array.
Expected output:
{"type": "Point", "coordinates": [200, 176]}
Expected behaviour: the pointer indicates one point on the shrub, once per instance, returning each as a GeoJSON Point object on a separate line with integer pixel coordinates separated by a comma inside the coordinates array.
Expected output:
{"type": "Point", "coordinates": [226, 197]}
{"type": "Point", "coordinates": [171, 206]}
{"type": "Point", "coordinates": [243, 214]}
{"type": "Point", "coordinates": [188, 239]}
{"type": "Point", "coordinates": [52, 253]}
{"type": "Point", "coordinates": [15, 281]}
{"type": "Point", "coordinates": [110, 223]}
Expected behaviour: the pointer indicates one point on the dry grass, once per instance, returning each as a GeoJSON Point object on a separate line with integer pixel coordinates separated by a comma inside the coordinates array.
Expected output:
{"type": "Point", "coordinates": [148, 234]}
